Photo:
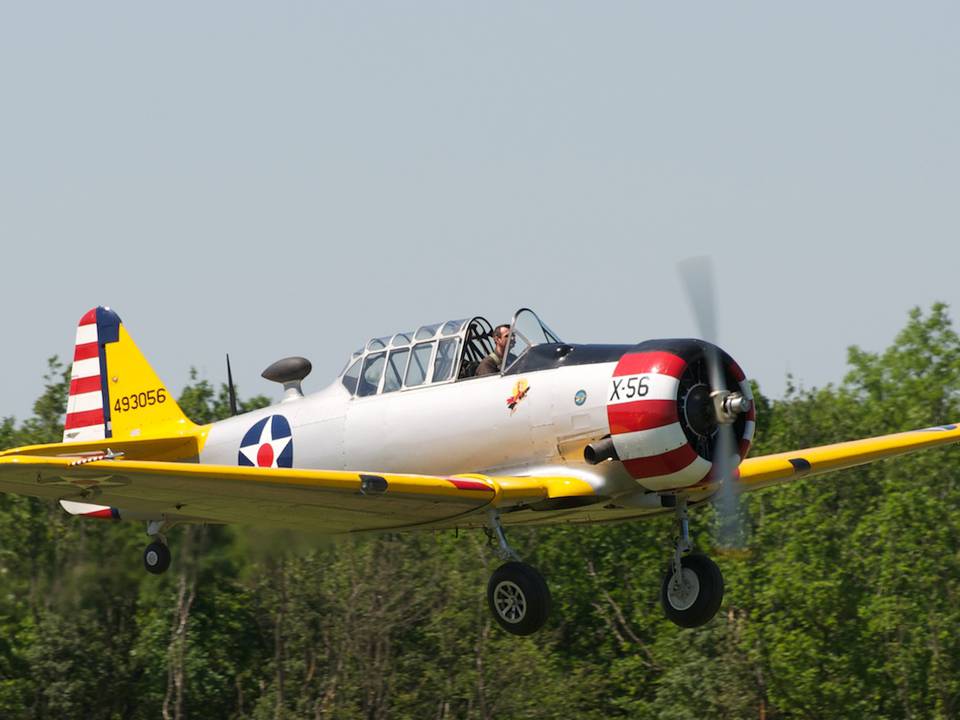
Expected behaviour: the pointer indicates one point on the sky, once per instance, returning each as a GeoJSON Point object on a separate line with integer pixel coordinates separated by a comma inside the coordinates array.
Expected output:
{"type": "Point", "coordinates": [292, 178]}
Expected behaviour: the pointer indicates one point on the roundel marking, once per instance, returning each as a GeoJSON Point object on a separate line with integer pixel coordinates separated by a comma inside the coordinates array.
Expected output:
{"type": "Point", "coordinates": [268, 443]}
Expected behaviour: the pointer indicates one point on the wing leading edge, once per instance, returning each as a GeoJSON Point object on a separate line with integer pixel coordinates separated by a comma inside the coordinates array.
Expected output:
{"type": "Point", "coordinates": [768, 470]}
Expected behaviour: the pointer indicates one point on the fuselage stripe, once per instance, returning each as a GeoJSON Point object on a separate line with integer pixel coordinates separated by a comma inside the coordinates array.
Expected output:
{"type": "Point", "coordinates": [641, 415]}
{"type": "Point", "coordinates": [662, 464]}
{"type": "Point", "coordinates": [737, 372]}
{"type": "Point", "coordinates": [645, 443]}
{"type": "Point", "coordinates": [663, 363]}
{"type": "Point", "coordinates": [690, 475]}
{"type": "Point", "coordinates": [642, 386]}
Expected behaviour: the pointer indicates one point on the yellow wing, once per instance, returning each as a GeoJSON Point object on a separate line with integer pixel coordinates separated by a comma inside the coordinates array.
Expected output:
{"type": "Point", "coordinates": [319, 500]}
{"type": "Point", "coordinates": [341, 501]}
{"type": "Point", "coordinates": [765, 471]}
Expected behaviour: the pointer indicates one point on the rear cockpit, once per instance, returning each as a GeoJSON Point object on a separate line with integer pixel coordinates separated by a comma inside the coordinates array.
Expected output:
{"type": "Point", "coordinates": [437, 354]}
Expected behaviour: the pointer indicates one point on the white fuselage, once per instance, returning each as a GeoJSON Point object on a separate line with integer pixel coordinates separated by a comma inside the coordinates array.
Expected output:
{"type": "Point", "coordinates": [458, 427]}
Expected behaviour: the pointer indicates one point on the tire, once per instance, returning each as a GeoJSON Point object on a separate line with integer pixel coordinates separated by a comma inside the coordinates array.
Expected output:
{"type": "Point", "coordinates": [704, 592]}
{"type": "Point", "coordinates": [519, 598]}
{"type": "Point", "coordinates": [156, 558]}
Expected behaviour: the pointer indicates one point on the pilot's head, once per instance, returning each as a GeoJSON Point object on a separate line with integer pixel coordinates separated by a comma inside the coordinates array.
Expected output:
{"type": "Point", "coordinates": [500, 335]}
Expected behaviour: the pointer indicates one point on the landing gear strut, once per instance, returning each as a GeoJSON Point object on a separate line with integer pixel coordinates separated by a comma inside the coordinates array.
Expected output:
{"type": "Point", "coordinates": [156, 556]}
{"type": "Point", "coordinates": [692, 588]}
{"type": "Point", "coordinates": [517, 594]}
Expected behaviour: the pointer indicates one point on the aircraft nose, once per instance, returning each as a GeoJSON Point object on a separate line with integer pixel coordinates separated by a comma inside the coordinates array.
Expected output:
{"type": "Point", "coordinates": [662, 412]}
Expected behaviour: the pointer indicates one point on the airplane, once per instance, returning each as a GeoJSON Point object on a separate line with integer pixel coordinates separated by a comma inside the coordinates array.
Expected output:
{"type": "Point", "coordinates": [410, 437]}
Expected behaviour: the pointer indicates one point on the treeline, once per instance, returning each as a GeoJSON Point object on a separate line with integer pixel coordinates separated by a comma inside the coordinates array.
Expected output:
{"type": "Point", "coordinates": [846, 606]}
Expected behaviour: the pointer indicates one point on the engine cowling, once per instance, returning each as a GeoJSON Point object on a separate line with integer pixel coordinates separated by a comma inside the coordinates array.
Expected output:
{"type": "Point", "coordinates": [663, 418]}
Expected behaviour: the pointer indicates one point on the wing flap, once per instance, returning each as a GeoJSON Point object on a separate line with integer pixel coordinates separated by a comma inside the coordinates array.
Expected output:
{"type": "Point", "coordinates": [765, 471]}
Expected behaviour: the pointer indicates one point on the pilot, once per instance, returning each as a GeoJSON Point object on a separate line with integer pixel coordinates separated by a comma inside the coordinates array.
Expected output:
{"type": "Point", "coordinates": [491, 363]}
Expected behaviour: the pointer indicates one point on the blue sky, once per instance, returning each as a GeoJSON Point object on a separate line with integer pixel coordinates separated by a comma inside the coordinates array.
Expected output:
{"type": "Point", "coordinates": [269, 179]}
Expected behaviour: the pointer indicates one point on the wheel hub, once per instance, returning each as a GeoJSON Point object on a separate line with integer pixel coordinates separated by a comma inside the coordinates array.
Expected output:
{"type": "Point", "coordinates": [510, 601]}
{"type": "Point", "coordinates": [152, 557]}
{"type": "Point", "coordinates": [683, 589]}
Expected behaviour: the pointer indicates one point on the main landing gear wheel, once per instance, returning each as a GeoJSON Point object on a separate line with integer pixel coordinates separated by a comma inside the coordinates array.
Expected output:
{"type": "Point", "coordinates": [694, 597]}
{"type": "Point", "coordinates": [156, 558]}
{"type": "Point", "coordinates": [519, 598]}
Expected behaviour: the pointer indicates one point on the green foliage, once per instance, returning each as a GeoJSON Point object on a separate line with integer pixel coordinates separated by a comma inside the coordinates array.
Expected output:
{"type": "Point", "coordinates": [46, 423]}
{"type": "Point", "coordinates": [847, 605]}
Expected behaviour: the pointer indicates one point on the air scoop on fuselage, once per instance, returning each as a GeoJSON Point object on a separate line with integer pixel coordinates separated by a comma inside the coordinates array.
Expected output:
{"type": "Point", "coordinates": [289, 372]}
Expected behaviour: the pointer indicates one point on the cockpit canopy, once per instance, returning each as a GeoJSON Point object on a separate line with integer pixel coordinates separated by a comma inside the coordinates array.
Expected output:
{"type": "Point", "coordinates": [438, 353]}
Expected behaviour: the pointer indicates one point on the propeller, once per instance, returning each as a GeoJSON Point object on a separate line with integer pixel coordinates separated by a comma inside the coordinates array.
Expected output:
{"type": "Point", "coordinates": [697, 275]}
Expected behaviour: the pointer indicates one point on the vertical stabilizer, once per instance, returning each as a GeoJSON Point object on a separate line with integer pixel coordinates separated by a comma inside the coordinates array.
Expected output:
{"type": "Point", "coordinates": [114, 393]}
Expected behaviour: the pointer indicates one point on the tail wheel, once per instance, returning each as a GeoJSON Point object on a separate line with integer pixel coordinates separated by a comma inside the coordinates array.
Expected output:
{"type": "Point", "coordinates": [156, 558]}
{"type": "Point", "coordinates": [692, 599]}
{"type": "Point", "coordinates": [519, 598]}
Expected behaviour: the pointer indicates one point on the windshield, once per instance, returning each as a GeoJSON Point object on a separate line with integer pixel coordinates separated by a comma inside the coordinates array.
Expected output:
{"type": "Point", "coordinates": [525, 332]}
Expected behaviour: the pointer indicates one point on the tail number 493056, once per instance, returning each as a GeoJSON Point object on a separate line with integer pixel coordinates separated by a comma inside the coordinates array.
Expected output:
{"type": "Point", "coordinates": [135, 401]}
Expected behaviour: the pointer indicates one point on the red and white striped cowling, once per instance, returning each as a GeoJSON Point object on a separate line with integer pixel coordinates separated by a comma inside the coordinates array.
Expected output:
{"type": "Point", "coordinates": [652, 437]}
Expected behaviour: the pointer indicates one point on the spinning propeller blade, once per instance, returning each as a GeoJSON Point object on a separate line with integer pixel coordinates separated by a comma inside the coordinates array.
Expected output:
{"type": "Point", "coordinates": [697, 275]}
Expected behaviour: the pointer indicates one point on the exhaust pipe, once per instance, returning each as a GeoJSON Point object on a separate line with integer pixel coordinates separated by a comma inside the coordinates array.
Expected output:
{"type": "Point", "coordinates": [596, 452]}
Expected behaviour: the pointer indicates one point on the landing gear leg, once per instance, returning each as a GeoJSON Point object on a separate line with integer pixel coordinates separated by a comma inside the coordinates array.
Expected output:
{"type": "Point", "coordinates": [156, 556]}
{"type": "Point", "coordinates": [517, 594]}
{"type": "Point", "coordinates": [692, 588]}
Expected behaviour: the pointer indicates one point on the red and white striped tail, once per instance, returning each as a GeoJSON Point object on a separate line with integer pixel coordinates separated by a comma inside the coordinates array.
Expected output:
{"type": "Point", "coordinates": [87, 417]}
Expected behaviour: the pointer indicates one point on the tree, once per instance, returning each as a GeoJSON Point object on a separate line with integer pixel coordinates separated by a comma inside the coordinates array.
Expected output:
{"type": "Point", "coordinates": [845, 606]}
